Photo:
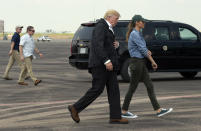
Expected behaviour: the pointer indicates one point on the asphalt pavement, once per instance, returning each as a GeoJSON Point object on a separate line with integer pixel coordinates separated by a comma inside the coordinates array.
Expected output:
{"type": "Point", "coordinates": [44, 108]}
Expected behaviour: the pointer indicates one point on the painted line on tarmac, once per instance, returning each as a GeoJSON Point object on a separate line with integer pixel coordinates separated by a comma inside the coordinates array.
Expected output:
{"type": "Point", "coordinates": [71, 101]}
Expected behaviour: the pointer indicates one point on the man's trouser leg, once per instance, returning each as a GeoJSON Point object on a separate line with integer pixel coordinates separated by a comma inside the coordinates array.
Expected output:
{"type": "Point", "coordinates": [9, 66]}
{"type": "Point", "coordinates": [150, 88]}
{"type": "Point", "coordinates": [16, 57]}
{"type": "Point", "coordinates": [136, 68]}
{"type": "Point", "coordinates": [23, 73]}
{"type": "Point", "coordinates": [113, 95]}
{"type": "Point", "coordinates": [98, 85]}
{"type": "Point", "coordinates": [28, 64]}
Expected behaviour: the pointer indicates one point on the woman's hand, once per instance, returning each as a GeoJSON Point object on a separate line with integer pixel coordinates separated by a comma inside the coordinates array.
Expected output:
{"type": "Point", "coordinates": [154, 66]}
{"type": "Point", "coordinates": [149, 52]}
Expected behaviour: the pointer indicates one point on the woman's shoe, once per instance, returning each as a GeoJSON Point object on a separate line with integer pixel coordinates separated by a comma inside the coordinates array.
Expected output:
{"type": "Point", "coordinates": [129, 115]}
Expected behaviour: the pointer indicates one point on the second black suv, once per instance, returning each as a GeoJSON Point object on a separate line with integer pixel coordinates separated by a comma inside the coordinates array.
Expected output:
{"type": "Point", "coordinates": [176, 47]}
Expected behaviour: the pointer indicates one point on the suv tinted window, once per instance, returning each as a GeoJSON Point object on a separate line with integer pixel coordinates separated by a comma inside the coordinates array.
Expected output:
{"type": "Point", "coordinates": [149, 32]}
{"type": "Point", "coordinates": [186, 34]}
{"type": "Point", "coordinates": [162, 33]}
{"type": "Point", "coordinates": [83, 33]}
{"type": "Point", "coordinates": [120, 32]}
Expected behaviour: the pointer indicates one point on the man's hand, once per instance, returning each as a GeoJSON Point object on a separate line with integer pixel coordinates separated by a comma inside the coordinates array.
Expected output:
{"type": "Point", "coordinates": [22, 58]}
{"type": "Point", "coordinates": [10, 52]}
{"type": "Point", "coordinates": [109, 66]}
{"type": "Point", "coordinates": [41, 55]}
{"type": "Point", "coordinates": [116, 44]}
{"type": "Point", "coordinates": [154, 66]}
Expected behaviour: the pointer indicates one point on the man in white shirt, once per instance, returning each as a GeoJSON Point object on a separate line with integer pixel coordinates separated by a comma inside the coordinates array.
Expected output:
{"type": "Point", "coordinates": [27, 48]}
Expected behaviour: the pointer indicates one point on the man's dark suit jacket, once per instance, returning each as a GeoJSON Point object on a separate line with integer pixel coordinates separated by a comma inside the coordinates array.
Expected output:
{"type": "Point", "coordinates": [102, 48]}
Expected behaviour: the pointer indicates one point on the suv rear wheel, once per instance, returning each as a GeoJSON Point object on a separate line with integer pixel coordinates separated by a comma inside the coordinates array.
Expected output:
{"type": "Point", "coordinates": [188, 75]}
{"type": "Point", "coordinates": [125, 71]}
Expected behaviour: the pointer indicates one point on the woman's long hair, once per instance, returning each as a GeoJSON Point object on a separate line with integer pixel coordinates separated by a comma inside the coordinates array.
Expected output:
{"type": "Point", "coordinates": [131, 25]}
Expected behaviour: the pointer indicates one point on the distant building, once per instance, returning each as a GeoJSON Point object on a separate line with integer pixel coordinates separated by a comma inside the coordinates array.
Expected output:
{"type": "Point", "coordinates": [1, 26]}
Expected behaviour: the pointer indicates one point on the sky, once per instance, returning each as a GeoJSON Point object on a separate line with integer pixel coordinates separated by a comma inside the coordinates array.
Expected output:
{"type": "Point", "coordinates": [67, 15]}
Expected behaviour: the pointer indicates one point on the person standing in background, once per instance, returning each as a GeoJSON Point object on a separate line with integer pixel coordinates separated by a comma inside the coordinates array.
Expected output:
{"type": "Point", "coordinates": [27, 48]}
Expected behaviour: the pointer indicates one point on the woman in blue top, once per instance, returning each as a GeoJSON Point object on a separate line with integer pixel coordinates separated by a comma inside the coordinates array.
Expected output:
{"type": "Point", "coordinates": [139, 72]}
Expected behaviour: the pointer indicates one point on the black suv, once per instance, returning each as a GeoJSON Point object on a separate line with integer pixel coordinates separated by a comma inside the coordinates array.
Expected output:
{"type": "Point", "coordinates": [176, 47]}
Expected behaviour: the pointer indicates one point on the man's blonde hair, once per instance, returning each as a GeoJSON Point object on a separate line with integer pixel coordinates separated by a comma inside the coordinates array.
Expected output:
{"type": "Point", "coordinates": [110, 13]}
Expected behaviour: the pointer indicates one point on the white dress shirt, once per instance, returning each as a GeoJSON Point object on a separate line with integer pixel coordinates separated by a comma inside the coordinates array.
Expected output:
{"type": "Point", "coordinates": [28, 44]}
{"type": "Point", "coordinates": [110, 26]}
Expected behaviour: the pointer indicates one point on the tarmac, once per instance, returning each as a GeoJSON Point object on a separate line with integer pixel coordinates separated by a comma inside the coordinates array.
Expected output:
{"type": "Point", "coordinates": [44, 107]}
